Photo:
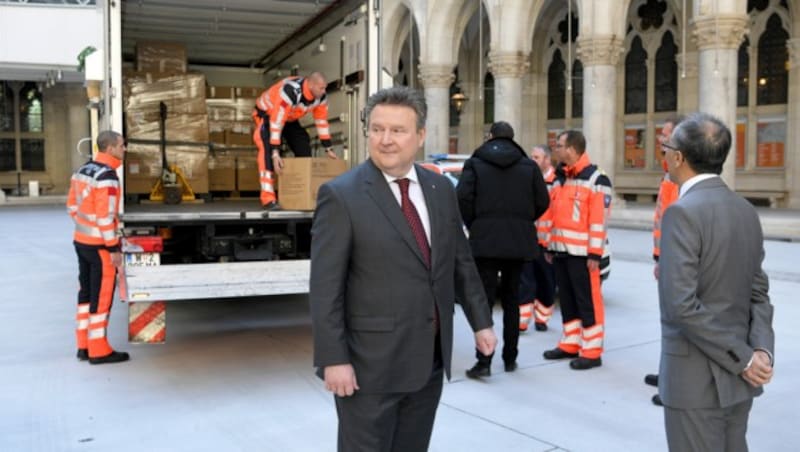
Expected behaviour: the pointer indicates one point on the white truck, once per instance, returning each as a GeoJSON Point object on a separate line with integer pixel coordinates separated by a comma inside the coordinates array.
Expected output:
{"type": "Point", "coordinates": [231, 248]}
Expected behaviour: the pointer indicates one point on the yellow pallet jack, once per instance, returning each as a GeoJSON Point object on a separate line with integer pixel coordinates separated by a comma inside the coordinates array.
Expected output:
{"type": "Point", "coordinates": [172, 187]}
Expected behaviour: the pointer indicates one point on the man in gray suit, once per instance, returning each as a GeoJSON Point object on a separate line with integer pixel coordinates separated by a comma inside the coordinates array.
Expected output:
{"type": "Point", "coordinates": [716, 317]}
{"type": "Point", "coordinates": [388, 260]}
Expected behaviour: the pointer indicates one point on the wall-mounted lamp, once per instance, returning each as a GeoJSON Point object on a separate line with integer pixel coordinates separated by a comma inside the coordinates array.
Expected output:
{"type": "Point", "coordinates": [458, 99]}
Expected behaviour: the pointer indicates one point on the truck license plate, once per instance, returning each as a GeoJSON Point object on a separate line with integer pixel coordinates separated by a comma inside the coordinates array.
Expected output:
{"type": "Point", "coordinates": [142, 259]}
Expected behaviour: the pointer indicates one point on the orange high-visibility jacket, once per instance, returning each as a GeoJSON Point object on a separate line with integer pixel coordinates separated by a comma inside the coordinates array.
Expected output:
{"type": "Point", "coordinates": [290, 100]}
{"type": "Point", "coordinates": [667, 194]}
{"type": "Point", "coordinates": [580, 208]}
{"type": "Point", "coordinates": [93, 202]}
{"type": "Point", "coordinates": [545, 222]}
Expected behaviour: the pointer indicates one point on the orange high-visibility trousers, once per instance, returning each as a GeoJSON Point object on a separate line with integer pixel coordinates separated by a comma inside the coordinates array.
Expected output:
{"type": "Point", "coordinates": [266, 174]}
{"type": "Point", "coordinates": [97, 278]}
{"type": "Point", "coordinates": [581, 306]}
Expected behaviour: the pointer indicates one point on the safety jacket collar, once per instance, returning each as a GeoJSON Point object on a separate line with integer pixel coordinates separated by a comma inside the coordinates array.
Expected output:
{"type": "Point", "coordinates": [306, 91]}
{"type": "Point", "coordinates": [580, 165]}
{"type": "Point", "coordinates": [107, 159]}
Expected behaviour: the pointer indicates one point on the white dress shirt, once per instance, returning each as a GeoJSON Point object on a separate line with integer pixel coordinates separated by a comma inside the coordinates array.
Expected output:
{"type": "Point", "coordinates": [692, 182]}
{"type": "Point", "coordinates": [416, 196]}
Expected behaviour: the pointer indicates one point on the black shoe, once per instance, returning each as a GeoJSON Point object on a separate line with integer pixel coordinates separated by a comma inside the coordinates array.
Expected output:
{"type": "Point", "coordinates": [585, 363]}
{"type": "Point", "coordinates": [270, 206]}
{"type": "Point", "coordinates": [651, 379]}
{"type": "Point", "coordinates": [113, 357]}
{"type": "Point", "coordinates": [511, 366]}
{"type": "Point", "coordinates": [540, 326]}
{"type": "Point", "coordinates": [83, 354]}
{"type": "Point", "coordinates": [557, 353]}
{"type": "Point", "coordinates": [479, 370]}
{"type": "Point", "coordinates": [657, 400]}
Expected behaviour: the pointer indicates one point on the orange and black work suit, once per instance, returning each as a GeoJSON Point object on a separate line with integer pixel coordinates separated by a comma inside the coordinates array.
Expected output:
{"type": "Point", "coordinates": [537, 281]}
{"type": "Point", "coordinates": [276, 115]}
{"type": "Point", "coordinates": [93, 203]}
{"type": "Point", "coordinates": [667, 194]}
{"type": "Point", "coordinates": [581, 202]}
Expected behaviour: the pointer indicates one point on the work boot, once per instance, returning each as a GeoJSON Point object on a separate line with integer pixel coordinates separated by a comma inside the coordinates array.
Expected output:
{"type": "Point", "coordinates": [557, 353]}
{"type": "Point", "coordinates": [585, 363]}
{"type": "Point", "coordinates": [540, 326]}
{"type": "Point", "coordinates": [270, 206]}
{"type": "Point", "coordinates": [83, 354]}
{"type": "Point", "coordinates": [113, 357]}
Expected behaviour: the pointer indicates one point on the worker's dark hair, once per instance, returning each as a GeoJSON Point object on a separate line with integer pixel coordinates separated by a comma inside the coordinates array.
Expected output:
{"type": "Point", "coordinates": [575, 139]}
{"type": "Point", "coordinates": [402, 96]}
{"type": "Point", "coordinates": [704, 140]}
{"type": "Point", "coordinates": [106, 139]}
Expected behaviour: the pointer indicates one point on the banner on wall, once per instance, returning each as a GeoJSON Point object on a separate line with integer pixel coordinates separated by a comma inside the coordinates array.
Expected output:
{"type": "Point", "coordinates": [658, 154]}
{"type": "Point", "coordinates": [741, 143]}
{"type": "Point", "coordinates": [771, 137]}
{"type": "Point", "coordinates": [634, 148]}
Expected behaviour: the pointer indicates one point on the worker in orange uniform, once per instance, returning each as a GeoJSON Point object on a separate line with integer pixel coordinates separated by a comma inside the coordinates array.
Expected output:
{"type": "Point", "coordinates": [93, 204]}
{"type": "Point", "coordinates": [581, 199]}
{"type": "Point", "coordinates": [277, 114]}
{"type": "Point", "coordinates": [667, 194]}
{"type": "Point", "coordinates": [537, 281]}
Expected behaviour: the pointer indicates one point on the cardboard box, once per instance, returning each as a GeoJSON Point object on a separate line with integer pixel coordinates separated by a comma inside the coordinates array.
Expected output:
{"type": "Point", "coordinates": [247, 172]}
{"type": "Point", "coordinates": [222, 171]}
{"type": "Point", "coordinates": [143, 166]}
{"type": "Point", "coordinates": [220, 92]}
{"type": "Point", "coordinates": [238, 139]}
{"type": "Point", "coordinates": [300, 180]}
{"type": "Point", "coordinates": [155, 56]}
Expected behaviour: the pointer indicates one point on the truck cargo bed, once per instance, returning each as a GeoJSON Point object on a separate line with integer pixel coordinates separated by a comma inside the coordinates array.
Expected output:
{"type": "Point", "coordinates": [223, 210]}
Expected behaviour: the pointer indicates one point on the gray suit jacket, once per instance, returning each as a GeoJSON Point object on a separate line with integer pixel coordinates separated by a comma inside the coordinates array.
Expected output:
{"type": "Point", "coordinates": [715, 309]}
{"type": "Point", "coordinates": [372, 297]}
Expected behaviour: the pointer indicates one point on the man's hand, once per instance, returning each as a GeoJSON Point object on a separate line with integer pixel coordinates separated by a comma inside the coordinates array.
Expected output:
{"type": "Point", "coordinates": [341, 380]}
{"type": "Point", "coordinates": [116, 259]}
{"type": "Point", "coordinates": [331, 154]}
{"type": "Point", "coordinates": [592, 265]}
{"type": "Point", "coordinates": [277, 162]}
{"type": "Point", "coordinates": [485, 341]}
{"type": "Point", "coordinates": [655, 271]}
{"type": "Point", "coordinates": [548, 257]}
{"type": "Point", "coordinates": [760, 371]}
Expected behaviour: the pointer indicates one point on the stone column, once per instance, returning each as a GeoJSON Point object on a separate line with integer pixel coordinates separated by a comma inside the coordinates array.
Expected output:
{"type": "Point", "coordinates": [470, 130]}
{"type": "Point", "coordinates": [600, 56]}
{"type": "Point", "coordinates": [791, 160]}
{"type": "Point", "coordinates": [508, 68]}
{"type": "Point", "coordinates": [718, 39]}
{"type": "Point", "coordinates": [437, 78]}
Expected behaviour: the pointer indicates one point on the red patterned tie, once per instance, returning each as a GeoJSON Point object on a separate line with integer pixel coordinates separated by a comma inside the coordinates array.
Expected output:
{"type": "Point", "coordinates": [412, 216]}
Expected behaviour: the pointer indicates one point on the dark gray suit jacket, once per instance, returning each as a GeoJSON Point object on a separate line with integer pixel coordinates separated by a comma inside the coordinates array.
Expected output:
{"type": "Point", "coordinates": [715, 309]}
{"type": "Point", "coordinates": [372, 297]}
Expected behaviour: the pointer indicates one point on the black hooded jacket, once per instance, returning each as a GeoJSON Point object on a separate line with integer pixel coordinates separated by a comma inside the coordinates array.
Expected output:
{"type": "Point", "coordinates": [501, 192]}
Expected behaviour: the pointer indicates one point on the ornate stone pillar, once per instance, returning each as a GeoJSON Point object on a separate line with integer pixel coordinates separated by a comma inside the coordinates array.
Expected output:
{"type": "Point", "coordinates": [600, 55]}
{"type": "Point", "coordinates": [718, 38]}
{"type": "Point", "coordinates": [470, 130]}
{"type": "Point", "coordinates": [437, 78]}
{"type": "Point", "coordinates": [792, 161]}
{"type": "Point", "coordinates": [508, 68]}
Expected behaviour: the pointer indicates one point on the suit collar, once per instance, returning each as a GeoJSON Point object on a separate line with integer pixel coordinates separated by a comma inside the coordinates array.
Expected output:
{"type": "Point", "coordinates": [701, 180]}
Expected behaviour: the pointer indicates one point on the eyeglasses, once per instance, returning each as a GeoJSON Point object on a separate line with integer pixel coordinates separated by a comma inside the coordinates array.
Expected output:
{"type": "Point", "coordinates": [668, 146]}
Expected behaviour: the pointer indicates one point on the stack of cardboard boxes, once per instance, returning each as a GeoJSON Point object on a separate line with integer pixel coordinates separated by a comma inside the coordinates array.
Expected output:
{"type": "Point", "coordinates": [230, 122]}
{"type": "Point", "coordinates": [161, 77]}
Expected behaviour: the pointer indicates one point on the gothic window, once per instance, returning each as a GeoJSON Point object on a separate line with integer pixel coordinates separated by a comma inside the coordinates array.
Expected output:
{"type": "Point", "coordinates": [577, 89]}
{"type": "Point", "coordinates": [22, 141]}
{"type": "Point", "coordinates": [666, 94]}
{"type": "Point", "coordinates": [772, 60]}
{"type": "Point", "coordinates": [488, 99]}
{"type": "Point", "coordinates": [556, 87]}
{"type": "Point", "coordinates": [30, 108]}
{"type": "Point", "coordinates": [742, 74]}
{"type": "Point", "coordinates": [6, 107]}
{"type": "Point", "coordinates": [636, 78]}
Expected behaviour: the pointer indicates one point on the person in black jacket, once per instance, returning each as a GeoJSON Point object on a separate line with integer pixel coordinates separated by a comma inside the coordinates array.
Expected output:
{"type": "Point", "coordinates": [501, 192]}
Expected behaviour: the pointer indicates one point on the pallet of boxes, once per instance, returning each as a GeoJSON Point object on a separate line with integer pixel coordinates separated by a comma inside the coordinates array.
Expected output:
{"type": "Point", "coordinates": [161, 76]}
{"type": "Point", "coordinates": [232, 167]}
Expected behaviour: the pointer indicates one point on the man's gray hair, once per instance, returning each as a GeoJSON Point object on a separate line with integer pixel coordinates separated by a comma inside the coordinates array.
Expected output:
{"type": "Point", "coordinates": [545, 148]}
{"type": "Point", "coordinates": [704, 141]}
{"type": "Point", "coordinates": [401, 96]}
{"type": "Point", "coordinates": [106, 139]}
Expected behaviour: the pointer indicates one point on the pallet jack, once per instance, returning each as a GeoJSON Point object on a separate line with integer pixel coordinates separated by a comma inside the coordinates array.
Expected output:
{"type": "Point", "coordinates": [172, 187]}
